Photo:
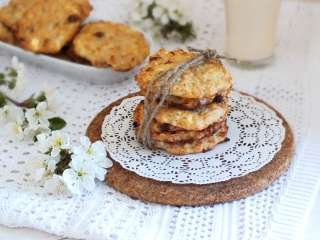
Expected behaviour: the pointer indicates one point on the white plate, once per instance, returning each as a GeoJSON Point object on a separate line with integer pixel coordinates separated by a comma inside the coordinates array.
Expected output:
{"type": "Point", "coordinates": [75, 70]}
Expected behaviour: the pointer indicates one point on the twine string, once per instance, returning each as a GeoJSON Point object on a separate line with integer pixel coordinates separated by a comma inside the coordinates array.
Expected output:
{"type": "Point", "coordinates": [154, 100]}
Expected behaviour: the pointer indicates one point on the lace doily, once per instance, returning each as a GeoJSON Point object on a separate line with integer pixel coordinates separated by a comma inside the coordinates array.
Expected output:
{"type": "Point", "coordinates": [255, 133]}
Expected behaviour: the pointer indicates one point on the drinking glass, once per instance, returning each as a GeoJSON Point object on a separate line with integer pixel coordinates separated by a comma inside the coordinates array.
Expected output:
{"type": "Point", "coordinates": [251, 27]}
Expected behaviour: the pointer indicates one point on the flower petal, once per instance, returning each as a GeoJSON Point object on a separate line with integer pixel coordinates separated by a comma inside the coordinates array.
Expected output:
{"type": "Point", "coordinates": [71, 180]}
{"type": "Point", "coordinates": [85, 142]}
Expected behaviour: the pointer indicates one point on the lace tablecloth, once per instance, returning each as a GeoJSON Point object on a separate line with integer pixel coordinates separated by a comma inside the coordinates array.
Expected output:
{"type": "Point", "coordinates": [276, 213]}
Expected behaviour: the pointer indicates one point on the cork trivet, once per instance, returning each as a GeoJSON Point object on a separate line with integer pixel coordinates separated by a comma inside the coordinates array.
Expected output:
{"type": "Point", "coordinates": [150, 190]}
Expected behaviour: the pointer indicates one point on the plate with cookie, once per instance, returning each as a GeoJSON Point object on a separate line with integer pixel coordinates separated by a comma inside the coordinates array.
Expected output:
{"type": "Point", "coordinates": [188, 138]}
{"type": "Point", "coordinates": [56, 34]}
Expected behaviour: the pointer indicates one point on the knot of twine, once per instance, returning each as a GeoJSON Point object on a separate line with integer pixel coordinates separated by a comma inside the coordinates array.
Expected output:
{"type": "Point", "coordinates": [155, 100]}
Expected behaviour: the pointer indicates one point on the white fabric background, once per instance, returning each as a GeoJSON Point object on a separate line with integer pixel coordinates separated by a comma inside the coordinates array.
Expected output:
{"type": "Point", "coordinates": [276, 213]}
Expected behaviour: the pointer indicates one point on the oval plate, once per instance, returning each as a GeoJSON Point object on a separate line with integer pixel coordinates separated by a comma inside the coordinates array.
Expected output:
{"type": "Point", "coordinates": [75, 70]}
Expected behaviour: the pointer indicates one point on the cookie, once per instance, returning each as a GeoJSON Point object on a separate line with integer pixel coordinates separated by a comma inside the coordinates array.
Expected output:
{"type": "Point", "coordinates": [85, 6]}
{"type": "Point", "coordinates": [203, 145]}
{"type": "Point", "coordinates": [106, 44]}
{"type": "Point", "coordinates": [155, 126]}
{"type": "Point", "coordinates": [12, 13]}
{"type": "Point", "coordinates": [203, 81]}
{"type": "Point", "coordinates": [186, 136]}
{"type": "Point", "coordinates": [169, 133]}
{"type": "Point", "coordinates": [196, 103]}
{"type": "Point", "coordinates": [49, 25]}
{"type": "Point", "coordinates": [5, 34]}
{"type": "Point", "coordinates": [193, 120]}
{"type": "Point", "coordinates": [190, 120]}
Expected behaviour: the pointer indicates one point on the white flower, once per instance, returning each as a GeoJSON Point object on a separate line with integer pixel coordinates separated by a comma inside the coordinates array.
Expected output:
{"type": "Point", "coordinates": [53, 143]}
{"type": "Point", "coordinates": [51, 96]}
{"type": "Point", "coordinates": [19, 67]}
{"type": "Point", "coordinates": [30, 132]}
{"type": "Point", "coordinates": [164, 19]}
{"type": "Point", "coordinates": [38, 117]}
{"type": "Point", "coordinates": [175, 14]}
{"type": "Point", "coordinates": [14, 130]}
{"type": "Point", "coordinates": [157, 12]}
{"type": "Point", "coordinates": [142, 8]}
{"type": "Point", "coordinates": [43, 143]}
{"type": "Point", "coordinates": [79, 177]}
{"type": "Point", "coordinates": [45, 167]}
{"type": "Point", "coordinates": [13, 119]}
{"type": "Point", "coordinates": [10, 113]}
{"type": "Point", "coordinates": [183, 20]}
{"type": "Point", "coordinates": [37, 120]}
{"type": "Point", "coordinates": [88, 150]}
{"type": "Point", "coordinates": [95, 154]}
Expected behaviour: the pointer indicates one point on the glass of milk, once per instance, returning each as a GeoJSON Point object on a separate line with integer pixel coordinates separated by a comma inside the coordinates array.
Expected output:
{"type": "Point", "coordinates": [251, 27]}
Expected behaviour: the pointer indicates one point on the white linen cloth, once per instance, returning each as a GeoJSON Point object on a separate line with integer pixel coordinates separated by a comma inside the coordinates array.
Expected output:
{"type": "Point", "coordinates": [279, 212]}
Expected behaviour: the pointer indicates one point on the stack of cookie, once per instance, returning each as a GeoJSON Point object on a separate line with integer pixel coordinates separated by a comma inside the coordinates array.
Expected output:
{"type": "Point", "coordinates": [55, 27]}
{"type": "Point", "coordinates": [193, 116]}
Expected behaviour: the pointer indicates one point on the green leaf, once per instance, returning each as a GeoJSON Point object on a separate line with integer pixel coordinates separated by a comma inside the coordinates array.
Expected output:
{"type": "Point", "coordinates": [13, 72]}
{"type": "Point", "coordinates": [12, 84]}
{"type": "Point", "coordinates": [3, 101]}
{"type": "Point", "coordinates": [41, 97]}
{"type": "Point", "coordinates": [2, 79]}
{"type": "Point", "coordinates": [150, 10]}
{"type": "Point", "coordinates": [185, 31]}
{"type": "Point", "coordinates": [56, 123]}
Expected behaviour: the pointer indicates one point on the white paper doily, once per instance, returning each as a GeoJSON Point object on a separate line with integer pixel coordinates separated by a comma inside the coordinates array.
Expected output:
{"type": "Point", "coordinates": [255, 133]}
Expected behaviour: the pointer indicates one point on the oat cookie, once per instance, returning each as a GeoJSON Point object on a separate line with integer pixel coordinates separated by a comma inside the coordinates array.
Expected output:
{"type": "Point", "coordinates": [196, 103]}
{"type": "Point", "coordinates": [198, 146]}
{"type": "Point", "coordinates": [12, 13]}
{"type": "Point", "coordinates": [203, 81]}
{"type": "Point", "coordinates": [49, 25]}
{"type": "Point", "coordinates": [85, 6]}
{"type": "Point", "coordinates": [5, 34]}
{"type": "Point", "coordinates": [193, 120]}
{"type": "Point", "coordinates": [186, 136]}
{"type": "Point", "coordinates": [106, 44]}
{"type": "Point", "coordinates": [169, 133]}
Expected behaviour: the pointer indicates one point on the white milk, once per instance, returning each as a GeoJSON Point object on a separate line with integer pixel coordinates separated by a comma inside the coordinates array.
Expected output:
{"type": "Point", "coordinates": [251, 27]}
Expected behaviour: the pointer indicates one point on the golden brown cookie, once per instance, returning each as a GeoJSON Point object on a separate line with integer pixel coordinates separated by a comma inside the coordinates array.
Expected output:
{"type": "Point", "coordinates": [186, 136]}
{"type": "Point", "coordinates": [196, 103]}
{"type": "Point", "coordinates": [48, 25]}
{"type": "Point", "coordinates": [203, 145]}
{"type": "Point", "coordinates": [203, 81]}
{"type": "Point", "coordinates": [5, 34]}
{"type": "Point", "coordinates": [12, 13]}
{"type": "Point", "coordinates": [169, 133]}
{"type": "Point", "coordinates": [85, 6]}
{"type": "Point", "coordinates": [111, 44]}
{"type": "Point", "coordinates": [193, 120]}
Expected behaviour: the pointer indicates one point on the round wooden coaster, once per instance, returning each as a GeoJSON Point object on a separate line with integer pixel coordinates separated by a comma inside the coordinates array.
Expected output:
{"type": "Point", "coordinates": [150, 190]}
